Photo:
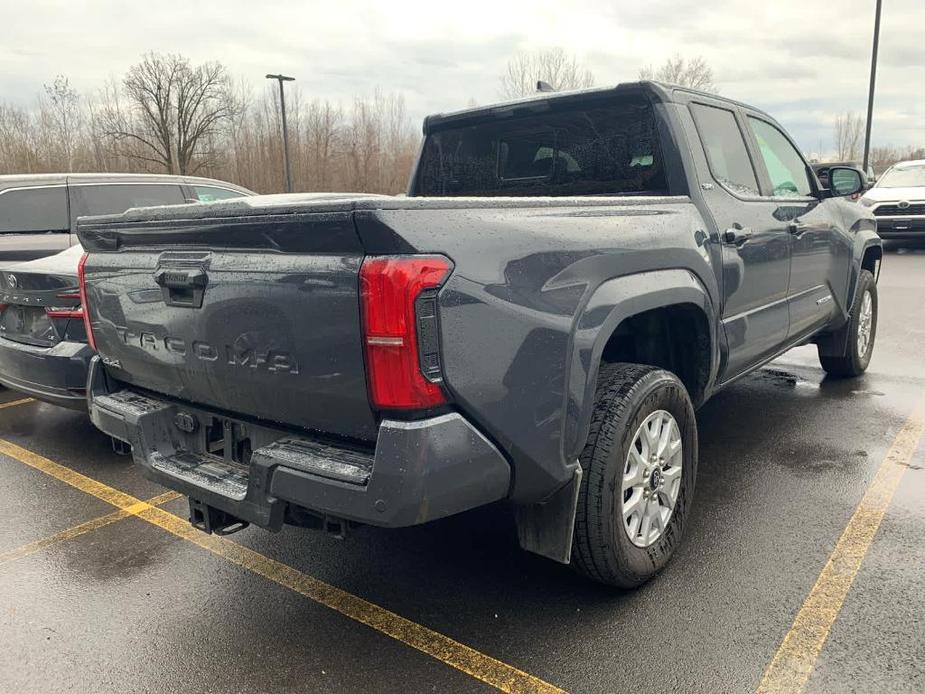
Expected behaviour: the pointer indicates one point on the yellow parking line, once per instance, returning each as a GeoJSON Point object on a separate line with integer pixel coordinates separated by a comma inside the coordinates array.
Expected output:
{"type": "Point", "coordinates": [84, 528]}
{"type": "Point", "coordinates": [468, 660]}
{"type": "Point", "coordinates": [14, 403]}
{"type": "Point", "coordinates": [796, 657]}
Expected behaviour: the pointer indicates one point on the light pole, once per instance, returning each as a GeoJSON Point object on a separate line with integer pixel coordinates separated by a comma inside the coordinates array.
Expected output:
{"type": "Point", "coordinates": [873, 82]}
{"type": "Point", "coordinates": [282, 106]}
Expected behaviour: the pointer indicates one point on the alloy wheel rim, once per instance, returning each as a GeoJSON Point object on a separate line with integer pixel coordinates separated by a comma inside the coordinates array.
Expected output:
{"type": "Point", "coordinates": [865, 323]}
{"type": "Point", "coordinates": [652, 478]}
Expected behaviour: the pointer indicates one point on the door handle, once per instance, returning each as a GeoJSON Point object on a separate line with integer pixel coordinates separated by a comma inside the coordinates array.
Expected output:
{"type": "Point", "coordinates": [181, 278]}
{"type": "Point", "coordinates": [737, 235]}
{"type": "Point", "coordinates": [796, 228]}
{"type": "Point", "coordinates": [182, 286]}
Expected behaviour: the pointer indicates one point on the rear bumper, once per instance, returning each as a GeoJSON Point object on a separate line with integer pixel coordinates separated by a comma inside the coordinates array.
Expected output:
{"type": "Point", "coordinates": [901, 228]}
{"type": "Point", "coordinates": [55, 374]}
{"type": "Point", "coordinates": [419, 471]}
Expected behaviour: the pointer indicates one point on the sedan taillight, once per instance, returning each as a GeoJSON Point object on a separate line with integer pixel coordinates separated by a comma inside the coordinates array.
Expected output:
{"type": "Point", "coordinates": [85, 307]}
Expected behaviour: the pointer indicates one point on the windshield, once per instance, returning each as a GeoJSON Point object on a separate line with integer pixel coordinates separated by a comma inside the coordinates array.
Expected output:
{"type": "Point", "coordinates": [905, 177]}
{"type": "Point", "coordinates": [604, 148]}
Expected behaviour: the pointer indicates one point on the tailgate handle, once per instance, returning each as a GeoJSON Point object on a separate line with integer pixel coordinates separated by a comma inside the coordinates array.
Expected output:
{"type": "Point", "coordinates": [182, 286]}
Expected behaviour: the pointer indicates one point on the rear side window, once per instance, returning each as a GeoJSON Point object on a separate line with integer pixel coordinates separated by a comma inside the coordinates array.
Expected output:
{"type": "Point", "coordinates": [208, 193]}
{"type": "Point", "coordinates": [114, 198]}
{"type": "Point", "coordinates": [34, 210]}
{"type": "Point", "coordinates": [785, 166]}
{"type": "Point", "coordinates": [608, 148]}
{"type": "Point", "coordinates": [725, 149]}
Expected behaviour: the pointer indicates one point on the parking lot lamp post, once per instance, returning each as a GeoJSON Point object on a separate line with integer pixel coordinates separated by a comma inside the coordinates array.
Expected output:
{"type": "Point", "coordinates": [873, 82]}
{"type": "Point", "coordinates": [282, 105]}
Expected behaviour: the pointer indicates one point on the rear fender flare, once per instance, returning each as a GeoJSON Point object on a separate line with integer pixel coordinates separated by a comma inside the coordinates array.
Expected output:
{"type": "Point", "coordinates": [611, 303]}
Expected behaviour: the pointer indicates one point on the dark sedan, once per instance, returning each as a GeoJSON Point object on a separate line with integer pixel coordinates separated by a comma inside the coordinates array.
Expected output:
{"type": "Point", "coordinates": [43, 344]}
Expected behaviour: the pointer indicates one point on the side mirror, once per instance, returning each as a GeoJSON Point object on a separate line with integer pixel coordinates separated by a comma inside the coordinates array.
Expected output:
{"type": "Point", "coordinates": [844, 181]}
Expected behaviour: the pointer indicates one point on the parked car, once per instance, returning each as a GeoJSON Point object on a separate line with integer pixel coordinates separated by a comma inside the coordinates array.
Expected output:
{"type": "Point", "coordinates": [569, 277]}
{"type": "Point", "coordinates": [43, 346]}
{"type": "Point", "coordinates": [822, 171]}
{"type": "Point", "coordinates": [38, 211]}
{"type": "Point", "coordinates": [898, 201]}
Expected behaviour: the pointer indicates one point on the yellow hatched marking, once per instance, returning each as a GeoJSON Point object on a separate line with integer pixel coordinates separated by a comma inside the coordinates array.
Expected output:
{"type": "Point", "coordinates": [453, 653]}
{"type": "Point", "coordinates": [84, 528]}
{"type": "Point", "coordinates": [14, 403]}
{"type": "Point", "coordinates": [792, 665]}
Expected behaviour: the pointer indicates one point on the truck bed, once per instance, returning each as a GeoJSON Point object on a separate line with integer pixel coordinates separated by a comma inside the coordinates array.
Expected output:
{"type": "Point", "coordinates": [275, 334]}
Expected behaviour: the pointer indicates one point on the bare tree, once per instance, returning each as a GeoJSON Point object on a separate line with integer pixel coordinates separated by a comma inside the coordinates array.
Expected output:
{"type": "Point", "coordinates": [322, 133]}
{"type": "Point", "coordinates": [694, 72]}
{"type": "Point", "coordinates": [62, 115]}
{"type": "Point", "coordinates": [18, 141]}
{"type": "Point", "coordinates": [849, 131]}
{"type": "Point", "coordinates": [173, 111]}
{"type": "Point", "coordinates": [554, 66]}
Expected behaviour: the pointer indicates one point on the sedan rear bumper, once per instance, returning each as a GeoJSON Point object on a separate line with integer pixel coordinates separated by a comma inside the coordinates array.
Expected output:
{"type": "Point", "coordinates": [54, 374]}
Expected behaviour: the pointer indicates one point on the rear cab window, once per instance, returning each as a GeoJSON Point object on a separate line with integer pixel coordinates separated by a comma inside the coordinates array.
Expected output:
{"type": "Point", "coordinates": [605, 147]}
{"type": "Point", "coordinates": [114, 198]}
{"type": "Point", "coordinates": [34, 210]}
{"type": "Point", "coordinates": [724, 146]}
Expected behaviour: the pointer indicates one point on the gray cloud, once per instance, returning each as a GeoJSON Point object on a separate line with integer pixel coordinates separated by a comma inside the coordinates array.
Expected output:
{"type": "Point", "coordinates": [802, 62]}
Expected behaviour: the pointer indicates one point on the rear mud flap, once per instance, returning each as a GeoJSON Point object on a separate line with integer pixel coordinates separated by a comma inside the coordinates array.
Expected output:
{"type": "Point", "coordinates": [546, 528]}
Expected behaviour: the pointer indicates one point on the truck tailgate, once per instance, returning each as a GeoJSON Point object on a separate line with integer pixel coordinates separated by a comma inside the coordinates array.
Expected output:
{"type": "Point", "coordinates": [254, 316]}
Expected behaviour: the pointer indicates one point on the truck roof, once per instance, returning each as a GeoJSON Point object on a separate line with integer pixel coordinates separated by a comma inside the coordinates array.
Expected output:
{"type": "Point", "coordinates": [663, 92]}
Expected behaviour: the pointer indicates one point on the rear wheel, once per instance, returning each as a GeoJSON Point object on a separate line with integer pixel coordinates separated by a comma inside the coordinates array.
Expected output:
{"type": "Point", "coordinates": [860, 332]}
{"type": "Point", "coordinates": [638, 471]}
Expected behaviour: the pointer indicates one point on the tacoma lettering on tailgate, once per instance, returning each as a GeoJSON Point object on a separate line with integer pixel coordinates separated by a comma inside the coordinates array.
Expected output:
{"type": "Point", "coordinates": [242, 353]}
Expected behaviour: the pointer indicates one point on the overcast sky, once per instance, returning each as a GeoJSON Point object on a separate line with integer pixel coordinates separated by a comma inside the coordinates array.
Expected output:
{"type": "Point", "coordinates": [802, 61]}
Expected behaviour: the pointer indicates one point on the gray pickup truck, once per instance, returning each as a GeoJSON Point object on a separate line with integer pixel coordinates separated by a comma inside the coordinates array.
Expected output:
{"type": "Point", "coordinates": [569, 277]}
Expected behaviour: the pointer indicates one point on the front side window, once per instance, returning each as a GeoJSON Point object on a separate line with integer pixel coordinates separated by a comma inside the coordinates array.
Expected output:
{"type": "Point", "coordinates": [34, 210]}
{"type": "Point", "coordinates": [209, 193]}
{"type": "Point", "coordinates": [785, 166]}
{"type": "Point", "coordinates": [725, 149]}
{"type": "Point", "coordinates": [115, 198]}
{"type": "Point", "coordinates": [605, 148]}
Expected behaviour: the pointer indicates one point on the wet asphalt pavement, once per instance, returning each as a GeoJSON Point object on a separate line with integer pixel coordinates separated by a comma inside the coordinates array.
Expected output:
{"type": "Point", "coordinates": [786, 456]}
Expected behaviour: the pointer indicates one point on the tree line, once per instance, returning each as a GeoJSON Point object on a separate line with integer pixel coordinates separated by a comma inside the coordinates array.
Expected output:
{"type": "Point", "coordinates": [168, 115]}
{"type": "Point", "coordinates": [849, 144]}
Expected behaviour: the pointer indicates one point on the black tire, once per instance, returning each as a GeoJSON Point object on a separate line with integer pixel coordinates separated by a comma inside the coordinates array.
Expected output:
{"type": "Point", "coordinates": [853, 363]}
{"type": "Point", "coordinates": [601, 547]}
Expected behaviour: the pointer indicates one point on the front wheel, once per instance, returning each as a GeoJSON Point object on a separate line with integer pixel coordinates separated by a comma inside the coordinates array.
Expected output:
{"type": "Point", "coordinates": [638, 471]}
{"type": "Point", "coordinates": [861, 332]}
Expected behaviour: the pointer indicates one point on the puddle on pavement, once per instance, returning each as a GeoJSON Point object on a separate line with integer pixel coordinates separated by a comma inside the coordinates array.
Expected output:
{"type": "Point", "coordinates": [777, 377]}
{"type": "Point", "coordinates": [815, 457]}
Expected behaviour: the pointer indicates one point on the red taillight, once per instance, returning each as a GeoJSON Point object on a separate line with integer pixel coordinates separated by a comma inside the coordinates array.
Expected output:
{"type": "Point", "coordinates": [389, 289]}
{"type": "Point", "coordinates": [76, 313]}
{"type": "Point", "coordinates": [82, 279]}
